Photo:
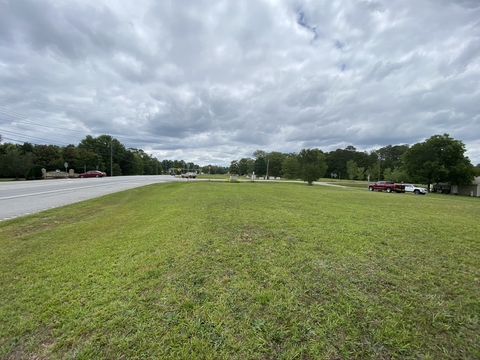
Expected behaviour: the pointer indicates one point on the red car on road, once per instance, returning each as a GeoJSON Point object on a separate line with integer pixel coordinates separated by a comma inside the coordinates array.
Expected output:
{"type": "Point", "coordinates": [92, 173]}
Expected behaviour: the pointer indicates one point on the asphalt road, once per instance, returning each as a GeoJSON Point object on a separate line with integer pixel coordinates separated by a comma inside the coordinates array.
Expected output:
{"type": "Point", "coordinates": [28, 197]}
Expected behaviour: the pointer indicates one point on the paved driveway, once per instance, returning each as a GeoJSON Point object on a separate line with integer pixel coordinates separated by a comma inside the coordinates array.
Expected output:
{"type": "Point", "coordinates": [27, 197]}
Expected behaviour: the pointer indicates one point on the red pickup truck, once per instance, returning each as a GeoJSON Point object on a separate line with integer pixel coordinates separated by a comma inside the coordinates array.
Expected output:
{"type": "Point", "coordinates": [388, 186]}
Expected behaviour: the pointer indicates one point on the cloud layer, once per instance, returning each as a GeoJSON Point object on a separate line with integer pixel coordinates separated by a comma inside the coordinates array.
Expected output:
{"type": "Point", "coordinates": [211, 82]}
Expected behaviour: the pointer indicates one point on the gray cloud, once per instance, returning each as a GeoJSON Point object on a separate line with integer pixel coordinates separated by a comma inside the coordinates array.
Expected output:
{"type": "Point", "coordinates": [214, 81]}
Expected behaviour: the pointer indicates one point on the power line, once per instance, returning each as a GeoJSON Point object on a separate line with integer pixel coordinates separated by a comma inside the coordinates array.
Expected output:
{"type": "Point", "coordinates": [25, 120]}
{"type": "Point", "coordinates": [33, 137]}
{"type": "Point", "coordinates": [5, 108]}
{"type": "Point", "coordinates": [19, 118]}
{"type": "Point", "coordinates": [8, 138]}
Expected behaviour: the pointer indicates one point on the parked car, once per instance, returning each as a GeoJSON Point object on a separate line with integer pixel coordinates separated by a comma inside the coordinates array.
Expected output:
{"type": "Point", "coordinates": [190, 174]}
{"type": "Point", "coordinates": [388, 186]}
{"type": "Point", "coordinates": [92, 173]}
{"type": "Point", "coordinates": [417, 190]}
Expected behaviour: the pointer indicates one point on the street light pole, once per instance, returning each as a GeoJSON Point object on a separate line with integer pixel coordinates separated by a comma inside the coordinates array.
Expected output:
{"type": "Point", "coordinates": [268, 163]}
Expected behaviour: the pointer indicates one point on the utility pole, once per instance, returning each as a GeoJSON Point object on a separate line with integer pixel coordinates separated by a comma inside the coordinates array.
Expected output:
{"type": "Point", "coordinates": [268, 163]}
{"type": "Point", "coordinates": [111, 158]}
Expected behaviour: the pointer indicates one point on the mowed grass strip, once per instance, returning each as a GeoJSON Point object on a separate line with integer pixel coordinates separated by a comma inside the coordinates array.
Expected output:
{"type": "Point", "coordinates": [243, 271]}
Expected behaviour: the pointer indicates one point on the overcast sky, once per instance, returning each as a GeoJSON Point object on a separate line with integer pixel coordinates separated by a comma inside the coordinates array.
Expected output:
{"type": "Point", "coordinates": [211, 81]}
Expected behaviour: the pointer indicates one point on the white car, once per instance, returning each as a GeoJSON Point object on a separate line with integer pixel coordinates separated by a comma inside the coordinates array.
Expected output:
{"type": "Point", "coordinates": [415, 189]}
{"type": "Point", "coordinates": [189, 175]}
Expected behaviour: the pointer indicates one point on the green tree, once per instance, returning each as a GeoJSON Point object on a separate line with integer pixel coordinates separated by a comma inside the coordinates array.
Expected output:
{"type": "Point", "coordinates": [233, 169]}
{"type": "Point", "coordinates": [387, 174]}
{"type": "Point", "coordinates": [391, 156]}
{"type": "Point", "coordinates": [374, 171]}
{"type": "Point", "coordinates": [355, 172]}
{"type": "Point", "coordinates": [49, 157]}
{"type": "Point", "coordinates": [291, 167]}
{"type": "Point", "coordinates": [105, 146]}
{"type": "Point", "coordinates": [16, 164]}
{"type": "Point", "coordinates": [6, 147]}
{"type": "Point", "coordinates": [117, 170]}
{"type": "Point", "coordinates": [399, 175]}
{"type": "Point", "coordinates": [259, 154]}
{"type": "Point", "coordinates": [88, 160]}
{"type": "Point", "coordinates": [27, 148]}
{"type": "Point", "coordinates": [337, 160]}
{"type": "Point", "coordinates": [145, 163]}
{"type": "Point", "coordinates": [214, 169]}
{"type": "Point", "coordinates": [312, 165]}
{"type": "Point", "coordinates": [275, 160]}
{"type": "Point", "coordinates": [70, 155]}
{"type": "Point", "coordinates": [246, 166]}
{"type": "Point", "coordinates": [360, 174]}
{"type": "Point", "coordinates": [151, 165]}
{"type": "Point", "coordinates": [439, 159]}
{"type": "Point", "coordinates": [260, 166]}
{"type": "Point", "coordinates": [132, 162]}
{"type": "Point", "coordinates": [352, 169]}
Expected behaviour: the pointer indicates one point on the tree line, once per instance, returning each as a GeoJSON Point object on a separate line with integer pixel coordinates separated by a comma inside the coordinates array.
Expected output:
{"type": "Point", "coordinates": [103, 153]}
{"type": "Point", "coordinates": [438, 159]}
{"type": "Point", "coordinates": [435, 160]}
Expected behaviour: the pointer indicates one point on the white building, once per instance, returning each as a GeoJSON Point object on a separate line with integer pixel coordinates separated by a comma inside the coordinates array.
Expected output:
{"type": "Point", "coordinates": [469, 190]}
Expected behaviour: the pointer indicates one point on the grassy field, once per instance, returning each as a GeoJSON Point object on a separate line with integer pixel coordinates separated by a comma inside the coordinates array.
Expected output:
{"type": "Point", "coordinates": [214, 176]}
{"type": "Point", "coordinates": [350, 183]}
{"type": "Point", "coordinates": [244, 271]}
{"type": "Point", "coordinates": [342, 182]}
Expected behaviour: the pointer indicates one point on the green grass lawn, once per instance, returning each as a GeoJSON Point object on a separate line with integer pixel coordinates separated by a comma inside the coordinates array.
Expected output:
{"type": "Point", "coordinates": [244, 271]}
{"type": "Point", "coordinates": [213, 176]}
{"type": "Point", "coordinates": [350, 183]}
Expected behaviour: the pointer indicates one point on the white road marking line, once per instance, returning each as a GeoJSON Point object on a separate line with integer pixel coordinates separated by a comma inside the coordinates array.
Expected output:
{"type": "Point", "coordinates": [124, 186]}
{"type": "Point", "coordinates": [70, 189]}
{"type": "Point", "coordinates": [49, 192]}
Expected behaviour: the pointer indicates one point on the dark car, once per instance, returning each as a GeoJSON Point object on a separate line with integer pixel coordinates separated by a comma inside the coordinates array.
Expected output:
{"type": "Point", "coordinates": [92, 173]}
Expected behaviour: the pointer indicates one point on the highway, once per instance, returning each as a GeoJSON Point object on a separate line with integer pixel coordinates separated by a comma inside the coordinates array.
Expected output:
{"type": "Point", "coordinates": [18, 198]}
